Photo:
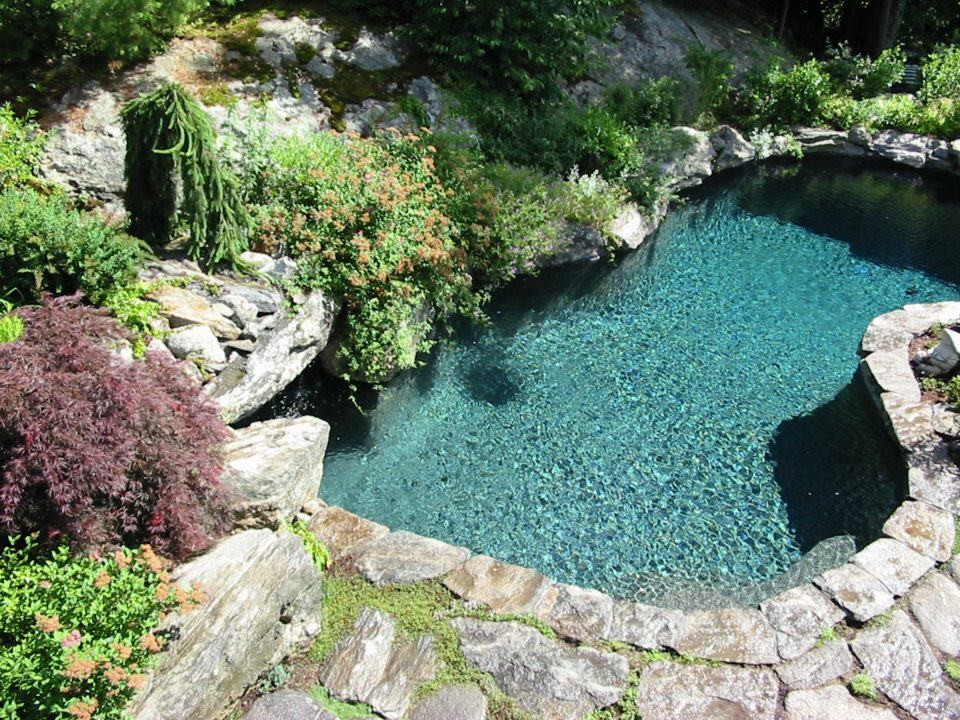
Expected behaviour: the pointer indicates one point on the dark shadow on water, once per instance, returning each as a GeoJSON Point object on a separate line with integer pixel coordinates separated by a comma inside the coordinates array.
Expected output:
{"type": "Point", "coordinates": [839, 471]}
{"type": "Point", "coordinates": [890, 215]}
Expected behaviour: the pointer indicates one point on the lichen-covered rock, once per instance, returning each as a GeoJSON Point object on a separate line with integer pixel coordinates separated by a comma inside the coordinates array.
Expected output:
{"type": "Point", "coordinates": [855, 590]}
{"type": "Point", "coordinates": [453, 702]}
{"type": "Point", "coordinates": [688, 166]}
{"type": "Point", "coordinates": [924, 528]}
{"type": "Point", "coordinates": [580, 614]}
{"type": "Point", "coordinates": [732, 148]}
{"type": "Point", "coordinates": [798, 616]}
{"type": "Point", "coordinates": [905, 669]}
{"type": "Point", "coordinates": [829, 702]}
{"type": "Point", "coordinates": [935, 603]}
{"type": "Point", "coordinates": [264, 602]}
{"type": "Point", "coordinates": [277, 466]}
{"type": "Point", "coordinates": [934, 477]}
{"type": "Point", "coordinates": [183, 307]}
{"type": "Point", "coordinates": [368, 665]}
{"type": "Point", "coordinates": [342, 531]}
{"type": "Point", "coordinates": [195, 342]}
{"type": "Point", "coordinates": [552, 680]}
{"type": "Point", "coordinates": [277, 359]}
{"type": "Point", "coordinates": [818, 667]}
{"type": "Point", "coordinates": [373, 52]}
{"type": "Point", "coordinates": [736, 635]}
{"type": "Point", "coordinates": [893, 563]}
{"type": "Point", "coordinates": [404, 557]}
{"type": "Point", "coordinates": [504, 588]}
{"type": "Point", "coordinates": [670, 691]}
{"type": "Point", "coordinates": [644, 626]}
{"type": "Point", "coordinates": [287, 705]}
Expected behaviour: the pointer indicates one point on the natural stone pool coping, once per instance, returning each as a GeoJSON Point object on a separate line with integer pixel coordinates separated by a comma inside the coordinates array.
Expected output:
{"type": "Point", "coordinates": [900, 581]}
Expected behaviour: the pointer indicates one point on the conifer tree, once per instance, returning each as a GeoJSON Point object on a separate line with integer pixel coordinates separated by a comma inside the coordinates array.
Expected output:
{"type": "Point", "coordinates": [169, 135]}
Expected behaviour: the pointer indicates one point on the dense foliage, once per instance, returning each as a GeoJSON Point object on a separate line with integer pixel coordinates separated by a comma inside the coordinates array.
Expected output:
{"type": "Point", "coordinates": [525, 45]}
{"type": "Point", "coordinates": [96, 450]}
{"type": "Point", "coordinates": [846, 90]}
{"type": "Point", "coordinates": [76, 631]}
{"type": "Point", "coordinates": [170, 138]}
{"type": "Point", "coordinates": [40, 30]}
{"type": "Point", "coordinates": [403, 228]}
{"type": "Point", "coordinates": [21, 146]}
{"type": "Point", "coordinates": [47, 246]}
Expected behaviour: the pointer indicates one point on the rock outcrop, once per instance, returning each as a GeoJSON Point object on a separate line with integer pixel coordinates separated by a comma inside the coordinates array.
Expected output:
{"type": "Point", "coordinates": [277, 466]}
{"type": "Point", "coordinates": [265, 596]}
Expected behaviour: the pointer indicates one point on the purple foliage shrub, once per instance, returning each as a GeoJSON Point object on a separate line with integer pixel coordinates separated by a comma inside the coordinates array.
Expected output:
{"type": "Point", "coordinates": [97, 450]}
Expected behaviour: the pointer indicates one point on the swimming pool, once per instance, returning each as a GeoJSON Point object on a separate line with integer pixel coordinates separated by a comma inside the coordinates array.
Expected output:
{"type": "Point", "coordinates": [679, 425]}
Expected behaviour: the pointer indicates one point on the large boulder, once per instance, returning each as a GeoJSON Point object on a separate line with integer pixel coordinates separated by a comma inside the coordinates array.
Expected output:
{"type": "Point", "coordinates": [691, 162]}
{"type": "Point", "coordinates": [405, 557]}
{"type": "Point", "coordinates": [182, 307]}
{"type": "Point", "coordinates": [547, 678]}
{"type": "Point", "coordinates": [276, 361]}
{"type": "Point", "coordinates": [277, 466]}
{"type": "Point", "coordinates": [732, 148]}
{"type": "Point", "coordinates": [265, 600]}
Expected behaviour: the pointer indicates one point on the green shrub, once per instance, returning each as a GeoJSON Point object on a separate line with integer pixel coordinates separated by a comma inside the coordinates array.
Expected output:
{"type": "Point", "coordinates": [120, 29]}
{"type": "Point", "coordinates": [76, 631]}
{"type": "Point", "coordinates": [21, 146]}
{"type": "Point", "coordinates": [524, 45]}
{"type": "Point", "coordinates": [46, 245]}
{"type": "Point", "coordinates": [367, 219]}
{"type": "Point", "coordinates": [650, 103]}
{"type": "Point", "coordinates": [711, 71]}
{"type": "Point", "coordinates": [862, 77]}
{"type": "Point", "coordinates": [778, 98]}
{"type": "Point", "coordinates": [941, 74]}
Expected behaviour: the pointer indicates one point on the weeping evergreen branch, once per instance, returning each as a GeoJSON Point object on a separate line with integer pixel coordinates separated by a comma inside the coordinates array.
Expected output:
{"type": "Point", "coordinates": [169, 135]}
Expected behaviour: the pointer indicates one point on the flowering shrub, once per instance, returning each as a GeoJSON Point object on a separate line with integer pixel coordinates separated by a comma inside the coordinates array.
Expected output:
{"type": "Point", "coordinates": [367, 220]}
{"type": "Point", "coordinates": [21, 145]}
{"type": "Point", "coordinates": [46, 245]}
{"type": "Point", "coordinates": [95, 450]}
{"type": "Point", "coordinates": [76, 631]}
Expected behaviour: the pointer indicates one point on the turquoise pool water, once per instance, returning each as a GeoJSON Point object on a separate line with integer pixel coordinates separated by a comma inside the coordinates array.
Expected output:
{"type": "Point", "coordinates": [681, 424]}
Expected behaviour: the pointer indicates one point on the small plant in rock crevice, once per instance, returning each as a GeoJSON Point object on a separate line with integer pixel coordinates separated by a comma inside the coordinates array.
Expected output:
{"type": "Point", "coordinates": [952, 668]}
{"type": "Point", "coordinates": [862, 685]}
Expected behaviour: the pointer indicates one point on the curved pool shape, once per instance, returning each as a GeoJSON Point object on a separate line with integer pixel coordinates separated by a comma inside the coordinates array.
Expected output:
{"type": "Point", "coordinates": [681, 426]}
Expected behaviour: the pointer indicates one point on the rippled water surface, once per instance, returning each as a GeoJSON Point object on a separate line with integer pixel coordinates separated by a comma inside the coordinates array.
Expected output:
{"type": "Point", "coordinates": [685, 421]}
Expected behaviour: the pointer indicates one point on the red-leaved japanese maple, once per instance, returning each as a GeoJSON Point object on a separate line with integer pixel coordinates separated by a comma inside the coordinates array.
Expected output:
{"type": "Point", "coordinates": [98, 450]}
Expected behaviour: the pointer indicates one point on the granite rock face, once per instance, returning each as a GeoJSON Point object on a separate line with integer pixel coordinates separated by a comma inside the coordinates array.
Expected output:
{"type": "Point", "coordinates": [732, 148]}
{"type": "Point", "coordinates": [798, 616]}
{"type": "Point", "coordinates": [818, 667]}
{"type": "Point", "coordinates": [369, 665]}
{"type": "Point", "coordinates": [855, 590]}
{"type": "Point", "coordinates": [453, 702]}
{"type": "Point", "coordinates": [264, 602]}
{"type": "Point", "coordinates": [905, 669]}
{"type": "Point", "coordinates": [736, 635]}
{"type": "Point", "coordinates": [403, 557]}
{"type": "Point", "coordinates": [277, 466]}
{"type": "Point", "coordinates": [580, 615]}
{"type": "Point", "coordinates": [893, 564]}
{"type": "Point", "coordinates": [644, 626]}
{"type": "Point", "coordinates": [935, 603]}
{"type": "Point", "coordinates": [183, 307]}
{"type": "Point", "coordinates": [276, 360]}
{"type": "Point", "coordinates": [924, 528]}
{"type": "Point", "coordinates": [342, 531]}
{"type": "Point", "coordinates": [504, 588]}
{"type": "Point", "coordinates": [549, 679]}
{"type": "Point", "coordinates": [670, 691]}
{"type": "Point", "coordinates": [195, 342]}
{"type": "Point", "coordinates": [287, 705]}
{"type": "Point", "coordinates": [829, 703]}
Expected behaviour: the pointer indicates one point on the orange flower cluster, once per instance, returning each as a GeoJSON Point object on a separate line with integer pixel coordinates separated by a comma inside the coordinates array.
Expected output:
{"type": "Point", "coordinates": [83, 710]}
{"type": "Point", "coordinates": [47, 624]}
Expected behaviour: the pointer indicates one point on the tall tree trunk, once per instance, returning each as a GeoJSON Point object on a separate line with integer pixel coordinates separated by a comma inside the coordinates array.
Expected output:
{"type": "Point", "coordinates": [881, 26]}
{"type": "Point", "coordinates": [783, 19]}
